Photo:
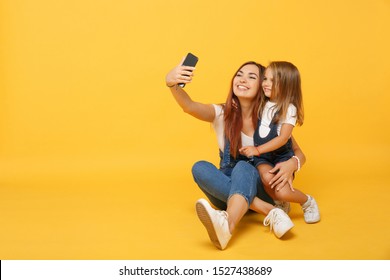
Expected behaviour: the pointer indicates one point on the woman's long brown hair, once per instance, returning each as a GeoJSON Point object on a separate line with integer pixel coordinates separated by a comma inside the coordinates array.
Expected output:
{"type": "Point", "coordinates": [233, 113]}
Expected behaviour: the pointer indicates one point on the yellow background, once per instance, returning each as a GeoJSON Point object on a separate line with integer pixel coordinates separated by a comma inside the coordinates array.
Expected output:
{"type": "Point", "coordinates": [95, 155]}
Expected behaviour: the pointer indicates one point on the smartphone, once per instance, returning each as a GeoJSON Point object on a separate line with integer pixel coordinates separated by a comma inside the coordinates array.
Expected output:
{"type": "Point", "coordinates": [190, 60]}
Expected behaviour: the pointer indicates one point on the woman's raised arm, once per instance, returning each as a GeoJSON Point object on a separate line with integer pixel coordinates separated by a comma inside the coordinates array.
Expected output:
{"type": "Point", "coordinates": [184, 74]}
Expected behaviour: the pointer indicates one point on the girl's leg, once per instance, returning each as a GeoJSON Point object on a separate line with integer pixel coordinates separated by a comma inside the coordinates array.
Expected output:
{"type": "Point", "coordinates": [308, 203]}
{"type": "Point", "coordinates": [285, 194]}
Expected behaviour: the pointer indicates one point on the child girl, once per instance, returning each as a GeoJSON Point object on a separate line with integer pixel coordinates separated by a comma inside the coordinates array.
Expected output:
{"type": "Point", "coordinates": [280, 110]}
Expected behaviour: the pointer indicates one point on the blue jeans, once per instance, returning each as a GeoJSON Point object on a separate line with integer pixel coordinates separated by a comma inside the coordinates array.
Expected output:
{"type": "Point", "coordinates": [219, 186]}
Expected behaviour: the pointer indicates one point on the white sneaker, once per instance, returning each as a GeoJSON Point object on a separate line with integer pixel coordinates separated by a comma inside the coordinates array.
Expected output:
{"type": "Point", "coordinates": [311, 213]}
{"type": "Point", "coordinates": [285, 206]}
{"type": "Point", "coordinates": [278, 221]}
{"type": "Point", "coordinates": [216, 223]}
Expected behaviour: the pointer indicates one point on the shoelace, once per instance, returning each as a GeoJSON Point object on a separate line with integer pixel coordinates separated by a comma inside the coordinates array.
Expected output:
{"type": "Point", "coordinates": [224, 217]}
{"type": "Point", "coordinates": [271, 220]}
{"type": "Point", "coordinates": [308, 209]}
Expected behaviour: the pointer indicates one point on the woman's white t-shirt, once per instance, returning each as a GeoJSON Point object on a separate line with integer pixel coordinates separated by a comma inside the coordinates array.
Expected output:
{"type": "Point", "coordinates": [218, 125]}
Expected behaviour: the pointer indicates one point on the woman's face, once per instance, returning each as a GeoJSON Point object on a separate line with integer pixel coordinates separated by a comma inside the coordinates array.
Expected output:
{"type": "Point", "coordinates": [247, 82]}
{"type": "Point", "coordinates": [267, 83]}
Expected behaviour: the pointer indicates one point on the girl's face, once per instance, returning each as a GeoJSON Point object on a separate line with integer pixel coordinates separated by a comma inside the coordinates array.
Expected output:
{"type": "Point", "coordinates": [246, 83]}
{"type": "Point", "coordinates": [267, 83]}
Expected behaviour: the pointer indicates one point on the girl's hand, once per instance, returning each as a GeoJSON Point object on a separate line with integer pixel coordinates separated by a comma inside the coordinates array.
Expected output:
{"type": "Point", "coordinates": [249, 151]}
{"type": "Point", "coordinates": [284, 174]}
{"type": "Point", "coordinates": [179, 74]}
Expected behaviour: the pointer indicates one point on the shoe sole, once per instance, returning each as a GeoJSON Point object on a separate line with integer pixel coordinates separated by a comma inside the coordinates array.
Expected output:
{"type": "Point", "coordinates": [205, 218]}
{"type": "Point", "coordinates": [313, 221]}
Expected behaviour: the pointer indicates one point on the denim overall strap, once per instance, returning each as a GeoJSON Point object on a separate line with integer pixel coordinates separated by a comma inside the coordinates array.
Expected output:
{"type": "Point", "coordinates": [225, 158]}
{"type": "Point", "coordinates": [273, 132]}
{"type": "Point", "coordinates": [226, 154]}
{"type": "Point", "coordinates": [281, 154]}
{"type": "Point", "coordinates": [226, 163]}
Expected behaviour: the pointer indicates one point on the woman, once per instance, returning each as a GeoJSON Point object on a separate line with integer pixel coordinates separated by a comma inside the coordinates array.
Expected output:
{"type": "Point", "coordinates": [236, 186]}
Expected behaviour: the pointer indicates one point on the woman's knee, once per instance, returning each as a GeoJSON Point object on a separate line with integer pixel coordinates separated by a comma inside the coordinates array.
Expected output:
{"type": "Point", "coordinates": [244, 168]}
{"type": "Point", "coordinates": [200, 168]}
{"type": "Point", "coordinates": [245, 180]}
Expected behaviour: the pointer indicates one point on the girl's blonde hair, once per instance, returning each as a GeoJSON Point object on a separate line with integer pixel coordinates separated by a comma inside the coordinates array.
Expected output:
{"type": "Point", "coordinates": [286, 90]}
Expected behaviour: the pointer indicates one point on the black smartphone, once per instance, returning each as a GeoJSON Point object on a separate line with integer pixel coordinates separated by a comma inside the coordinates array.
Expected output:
{"type": "Point", "coordinates": [190, 60]}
